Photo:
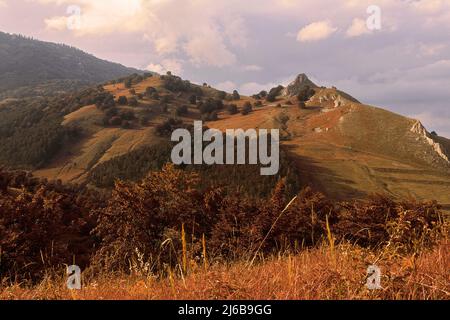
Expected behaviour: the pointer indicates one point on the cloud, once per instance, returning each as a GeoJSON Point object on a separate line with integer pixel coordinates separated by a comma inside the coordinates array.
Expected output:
{"type": "Point", "coordinates": [172, 65]}
{"type": "Point", "coordinates": [250, 88]}
{"type": "Point", "coordinates": [207, 48]}
{"type": "Point", "coordinates": [316, 31]}
{"type": "Point", "coordinates": [227, 86]}
{"type": "Point", "coordinates": [357, 28]}
{"type": "Point", "coordinates": [101, 17]}
{"type": "Point", "coordinates": [207, 35]}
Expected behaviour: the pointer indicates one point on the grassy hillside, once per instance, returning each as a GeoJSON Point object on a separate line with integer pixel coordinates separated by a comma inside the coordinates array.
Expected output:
{"type": "Point", "coordinates": [330, 141]}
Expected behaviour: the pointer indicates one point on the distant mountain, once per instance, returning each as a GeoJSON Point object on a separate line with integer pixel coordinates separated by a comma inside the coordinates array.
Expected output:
{"type": "Point", "coordinates": [27, 62]}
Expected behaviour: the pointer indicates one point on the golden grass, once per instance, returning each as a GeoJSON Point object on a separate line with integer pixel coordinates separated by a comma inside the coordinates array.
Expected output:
{"type": "Point", "coordinates": [312, 274]}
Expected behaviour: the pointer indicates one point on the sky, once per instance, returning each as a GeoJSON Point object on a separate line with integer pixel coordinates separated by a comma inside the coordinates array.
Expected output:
{"type": "Point", "coordinates": [390, 53]}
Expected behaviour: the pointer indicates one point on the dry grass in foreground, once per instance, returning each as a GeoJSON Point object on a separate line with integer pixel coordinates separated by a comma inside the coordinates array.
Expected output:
{"type": "Point", "coordinates": [320, 273]}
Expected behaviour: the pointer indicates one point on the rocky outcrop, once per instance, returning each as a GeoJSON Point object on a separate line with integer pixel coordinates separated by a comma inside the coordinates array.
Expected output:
{"type": "Point", "coordinates": [419, 129]}
{"type": "Point", "coordinates": [334, 100]}
{"type": "Point", "coordinates": [300, 82]}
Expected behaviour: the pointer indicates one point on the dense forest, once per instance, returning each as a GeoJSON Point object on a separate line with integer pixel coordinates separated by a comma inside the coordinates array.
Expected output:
{"type": "Point", "coordinates": [136, 164]}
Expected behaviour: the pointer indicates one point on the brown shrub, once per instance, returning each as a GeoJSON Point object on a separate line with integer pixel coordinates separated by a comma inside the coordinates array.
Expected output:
{"type": "Point", "coordinates": [42, 226]}
{"type": "Point", "coordinates": [46, 224]}
{"type": "Point", "coordinates": [142, 217]}
{"type": "Point", "coordinates": [380, 221]}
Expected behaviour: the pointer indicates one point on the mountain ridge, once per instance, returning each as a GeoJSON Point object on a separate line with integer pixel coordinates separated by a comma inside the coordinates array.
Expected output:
{"type": "Point", "coordinates": [28, 62]}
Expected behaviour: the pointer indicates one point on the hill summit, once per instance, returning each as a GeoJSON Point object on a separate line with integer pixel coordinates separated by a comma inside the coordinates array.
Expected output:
{"type": "Point", "coordinates": [295, 87]}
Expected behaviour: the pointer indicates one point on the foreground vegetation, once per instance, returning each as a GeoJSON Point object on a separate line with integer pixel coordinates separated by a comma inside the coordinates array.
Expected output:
{"type": "Point", "coordinates": [165, 237]}
{"type": "Point", "coordinates": [318, 273]}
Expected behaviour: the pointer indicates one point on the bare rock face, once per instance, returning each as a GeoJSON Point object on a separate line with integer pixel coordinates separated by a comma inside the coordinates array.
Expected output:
{"type": "Point", "coordinates": [300, 82]}
{"type": "Point", "coordinates": [419, 129]}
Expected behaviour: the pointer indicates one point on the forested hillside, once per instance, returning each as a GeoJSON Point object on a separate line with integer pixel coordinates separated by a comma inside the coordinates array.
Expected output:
{"type": "Point", "coordinates": [27, 62]}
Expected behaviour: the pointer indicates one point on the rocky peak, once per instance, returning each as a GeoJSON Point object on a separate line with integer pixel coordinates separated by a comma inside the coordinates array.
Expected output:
{"type": "Point", "coordinates": [300, 82]}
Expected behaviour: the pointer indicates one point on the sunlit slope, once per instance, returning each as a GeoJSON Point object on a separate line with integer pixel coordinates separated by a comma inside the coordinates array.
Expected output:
{"type": "Point", "coordinates": [338, 145]}
{"type": "Point", "coordinates": [354, 150]}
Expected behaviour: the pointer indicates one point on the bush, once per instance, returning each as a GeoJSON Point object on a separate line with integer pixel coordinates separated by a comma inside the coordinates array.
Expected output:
{"type": "Point", "coordinates": [305, 94]}
{"type": "Point", "coordinates": [167, 98]}
{"type": "Point", "coordinates": [232, 109]}
{"type": "Point", "coordinates": [166, 128]}
{"type": "Point", "coordinates": [247, 108]}
{"type": "Point", "coordinates": [260, 95]}
{"type": "Point", "coordinates": [175, 84]}
{"type": "Point", "coordinates": [221, 95]}
{"type": "Point", "coordinates": [111, 112]}
{"type": "Point", "coordinates": [123, 101]}
{"type": "Point", "coordinates": [126, 124]}
{"type": "Point", "coordinates": [181, 110]}
{"type": "Point", "coordinates": [212, 116]}
{"type": "Point", "coordinates": [274, 93]}
{"type": "Point", "coordinates": [128, 83]}
{"type": "Point", "coordinates": [127, 115]}
{"type": "Point", "coordinates": [115, 121]}
{"type": "Point", "coordinates": [210, 105]}
{"type": "Point", "coordinates": [143, 121]}
{"type": "Point", "coordinates": [149, 91]}
{"type": "Point", "coordinates": [155, 96]}
{"type": "Point", "coordinates": [132, 102]}
{"type": "Point", "coordinates": [140, 217]}
{"type": "Point", "coordinates": [43, 225]}
{"type": "Point", "coordinates": [236, 95]}
{"type": "Point", "coordinates": [104, 101]}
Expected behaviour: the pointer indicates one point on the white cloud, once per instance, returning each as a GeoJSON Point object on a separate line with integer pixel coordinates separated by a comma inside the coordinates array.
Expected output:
{"type": "Point", "coordinates": [102, 17]}
{"type": "Point", "coordinates": [316, 31]}
{"type": "Point", "coordinates": [250, 88]}
{"type": "Point", "coordinates": [207, 34]}
{"type": "Point", "coordinates": [358, 28]}
{"type": "Point", "coordinates": [227, 86]}
{"type": "Point", "coordinates": [172, 65]}
{"type": "Point", "coordinates": [207, 48]}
